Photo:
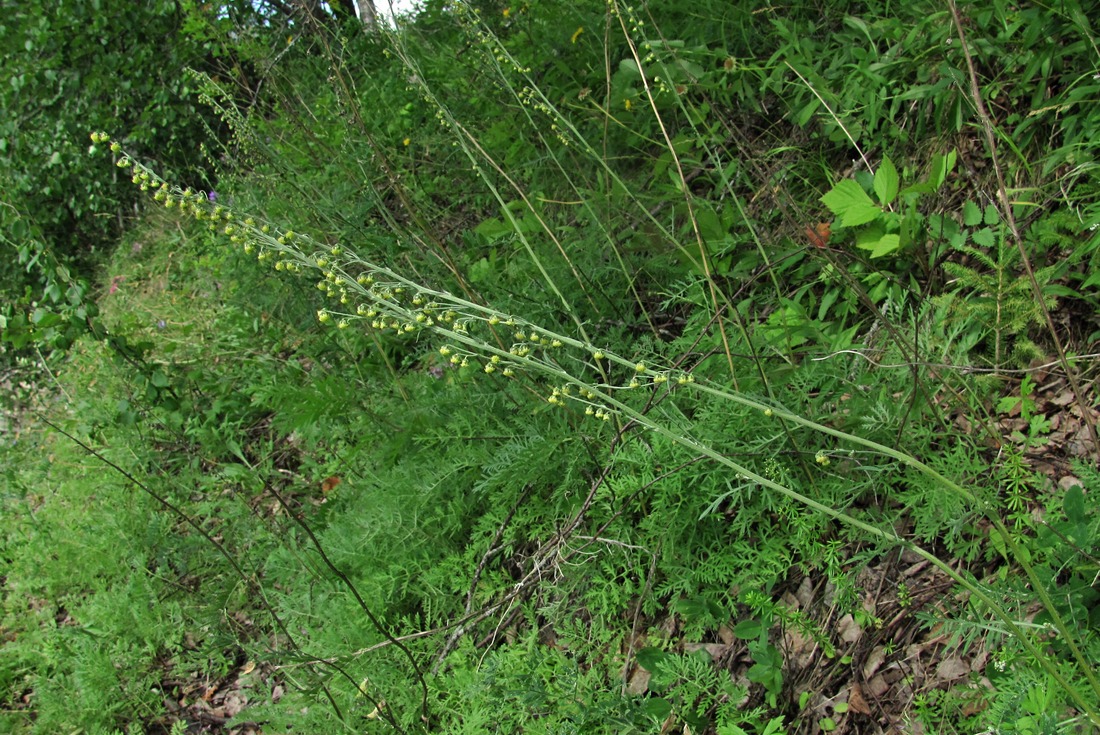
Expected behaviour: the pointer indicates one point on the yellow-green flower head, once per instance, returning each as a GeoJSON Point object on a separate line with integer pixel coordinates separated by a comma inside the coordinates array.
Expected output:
{"type": "Point", "coordinates": [640, 367]}
{"type": "Point", "coordinates": [324, 317]}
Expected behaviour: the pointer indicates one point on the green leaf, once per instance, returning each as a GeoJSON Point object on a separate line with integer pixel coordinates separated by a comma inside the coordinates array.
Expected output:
{"type": "Point", "coordinates": [851, 204]}
{"type": "Point", "coordinates": [1074, 504]}
{"type": "Point", "coordinates": [494, 228]}
{"type": "Point", "coordinates": [807, 112]}
{"type": "Point", "coordinates": [984, 237]}
{"type": "Point", "coordinates": [748, 629]}
{"type": "Point", "coordinates": [651, 659]}
{"type": "Point", "coordinates": [879, 244]}
{"type": "Point", "coordinates": [629, 67]}
{"type": "Point", "coordinates": [658, 709]}
{"type": "Point", "coordinates": [992, 216]}
{"type": "Point", "coordinates": [972, 215]}
{"type": "Point", "coordinates": [731, 729]}
{"type": "Point", "coordinates": [886, 182]}
{"type": "Point", "coordinates": [774, 727]}
{"type": "Point", "coordinates": [1007, 404]}
{"type": "Point", "coordinates": [710, 226]}
{"type": "Point", "coordinates": [941, 166]}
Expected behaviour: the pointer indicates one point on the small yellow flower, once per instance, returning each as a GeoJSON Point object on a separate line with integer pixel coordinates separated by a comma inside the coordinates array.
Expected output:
{"type": "Point", "coordinates": [406, 142]}
{"type": "Point", "coordinates": [627, 104]}
{"type": "Point", "coordinates": [507, 12]}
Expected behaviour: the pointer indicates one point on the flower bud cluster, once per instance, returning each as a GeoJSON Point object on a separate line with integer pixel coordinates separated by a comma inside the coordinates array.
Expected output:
{"type": "Point", "coordinates": [381, 299]}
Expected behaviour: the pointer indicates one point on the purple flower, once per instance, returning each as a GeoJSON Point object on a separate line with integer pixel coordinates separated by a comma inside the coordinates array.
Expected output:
{"type": "Point", "coordinates": [161, 324]}
{"type": "Point", "coordinates": [212, 196]}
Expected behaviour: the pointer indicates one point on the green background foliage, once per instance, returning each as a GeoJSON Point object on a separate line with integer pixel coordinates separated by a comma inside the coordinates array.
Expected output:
{"type": "Point", "coordinates": [773, 398]}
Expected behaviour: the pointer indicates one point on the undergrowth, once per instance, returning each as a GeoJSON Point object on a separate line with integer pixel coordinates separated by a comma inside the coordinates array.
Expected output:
{"type": "Point", "coordinates": [582, 367]}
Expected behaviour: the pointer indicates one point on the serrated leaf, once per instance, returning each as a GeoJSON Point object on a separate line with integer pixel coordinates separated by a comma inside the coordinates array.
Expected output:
{"type": "Point", "coordinates": [983, 237]}
{"type": "Point", "coordinates": [972, 215]}
{"type": "Point", "coordinates": [629, 67]}
{"type": "Point", "coordinates": [992, 216]}
{"type": "Point", "coordinates": [878, 243]}
{"type": "Point", "coordinates": [851, 205]}
{"type": "Point", "coordinates": [886, 181]}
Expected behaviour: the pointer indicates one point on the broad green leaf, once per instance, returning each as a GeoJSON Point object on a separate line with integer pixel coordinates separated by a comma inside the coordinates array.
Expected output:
{"type": "Point", "coordinates": [992, 216]}
{"type": "Point", "coordinates": [710, 226]}
{"type": "Point", "coordinates": [851, 204]}
{"type": "Point", "coordinates": [941, 166]}
{"type": "Point", "coordinates": [984, 237]}
{"type": "Point", "coordinates": [972, 215]}
{"type": "Point", "coordinates": [748, 629]}
{"type": "Point", "coordinates": [886, 182]}
{"type": "Point", "coordinates": [651, 659]}
{"type": "Point", "coordinates": [807, 112]}
{"type": "Point", "coordinates": [659, 709]}
{"type": "Point", "coordinates": [629, 67]}
{"type": "Point", "coordinates": [879, 244]}
{"type": "Point", "coordinates": [1074, 504]}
